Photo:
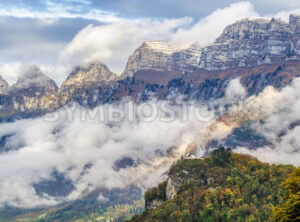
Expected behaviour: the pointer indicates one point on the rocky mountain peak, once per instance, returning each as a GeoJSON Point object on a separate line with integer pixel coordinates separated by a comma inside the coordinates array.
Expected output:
{"type": "Point", "coordinates": [92, 73]}
{"type": "Point", "coordinates": [151, 55]}
{"type": "Point", "coordinates": [251, 42]}
{"type": "Point", "coordinates": [163, 56]}
{"type": "Point", "coordinates": [255, 29]}
{"type": "Point", "coordinates": [33, 80]}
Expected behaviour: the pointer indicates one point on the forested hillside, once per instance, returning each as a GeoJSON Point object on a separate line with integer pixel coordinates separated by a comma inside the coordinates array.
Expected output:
{"type": "Point", "coordinates": [224, 186]}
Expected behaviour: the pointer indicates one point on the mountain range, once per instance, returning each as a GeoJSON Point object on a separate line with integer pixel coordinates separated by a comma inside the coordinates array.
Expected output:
{"type": "Point", "coordinates": [259, 51]}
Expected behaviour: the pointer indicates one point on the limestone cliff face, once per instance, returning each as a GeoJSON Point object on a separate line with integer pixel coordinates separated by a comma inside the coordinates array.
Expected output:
{"type": "Point", "coordinates": [153, 55]}
{"type": "Point", "coordinates": [163, 56]}
{"type": "Point", "coordinates": [252, 42]}
{"type": "Point", "coordinates": [246, 43]}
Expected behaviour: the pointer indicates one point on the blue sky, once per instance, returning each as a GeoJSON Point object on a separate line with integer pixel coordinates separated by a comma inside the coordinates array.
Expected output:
{"type": "Point", "coordinates": [60, 34]}
{"type": "Point", "coordinates": [145, 8]}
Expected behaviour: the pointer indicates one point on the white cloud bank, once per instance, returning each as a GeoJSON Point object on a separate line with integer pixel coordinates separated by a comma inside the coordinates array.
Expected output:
{"type": "Point", "coordinates": [279, 110]}
{"type": "Point", "coordinates": [40, 146]}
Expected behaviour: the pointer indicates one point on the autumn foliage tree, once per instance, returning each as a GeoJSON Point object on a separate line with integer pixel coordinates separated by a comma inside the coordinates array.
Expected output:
{"type": "Point", "coordinates": [290, 209]}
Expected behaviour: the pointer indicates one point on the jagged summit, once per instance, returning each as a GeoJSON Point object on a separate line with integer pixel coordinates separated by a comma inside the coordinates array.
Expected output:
{"type": "Point", "coordinates": [87, 76]}
{"type": "Point", "coordinates": [92, 73]}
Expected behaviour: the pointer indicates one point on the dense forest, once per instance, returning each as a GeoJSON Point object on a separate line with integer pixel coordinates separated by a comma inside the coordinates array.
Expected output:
{"type": "Point", "coordinates": [226, 186]}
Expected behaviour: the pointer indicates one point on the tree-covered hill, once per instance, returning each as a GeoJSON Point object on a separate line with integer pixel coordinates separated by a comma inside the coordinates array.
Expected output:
{"type": "Point", "coordinates": [224, 186]}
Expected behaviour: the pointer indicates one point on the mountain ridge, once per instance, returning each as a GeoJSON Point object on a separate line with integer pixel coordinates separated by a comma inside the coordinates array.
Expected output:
{"type": "Point", "coordinates": [159, 67]}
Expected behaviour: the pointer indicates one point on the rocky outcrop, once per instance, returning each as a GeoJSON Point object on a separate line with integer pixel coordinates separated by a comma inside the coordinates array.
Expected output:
{"type": "Point", "coordinates": [172, 187]}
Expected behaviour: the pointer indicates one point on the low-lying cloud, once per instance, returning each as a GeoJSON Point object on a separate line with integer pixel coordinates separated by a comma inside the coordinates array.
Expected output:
{"type": "Point", "coordinates": [279, 110]}
{"type": "Point", "coordinates": [40, 147]}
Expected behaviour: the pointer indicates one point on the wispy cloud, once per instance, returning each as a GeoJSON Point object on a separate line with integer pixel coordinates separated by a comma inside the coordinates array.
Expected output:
{"type": "Point", "coordinates": [54, 10]}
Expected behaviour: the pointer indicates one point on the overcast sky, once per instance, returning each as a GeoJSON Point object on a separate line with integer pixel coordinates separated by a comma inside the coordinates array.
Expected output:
{"type": "Point", "coordinates": [60, 34]}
